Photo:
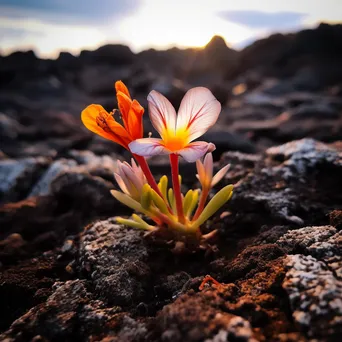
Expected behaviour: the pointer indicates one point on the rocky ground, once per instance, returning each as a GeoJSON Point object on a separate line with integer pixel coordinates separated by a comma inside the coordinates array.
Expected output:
{"type": "Point", "coordinates": [68, 272]}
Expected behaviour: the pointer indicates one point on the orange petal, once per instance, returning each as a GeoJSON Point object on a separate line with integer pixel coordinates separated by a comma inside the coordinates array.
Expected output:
{"type": "Point", "coordinates": [124, 104]}
{"type": "Point", "coordinates": [120, 87]}
{"type": "Point", "coordinates": [135, 125]}
{"type": "Point", "coordinates": [115, 132]}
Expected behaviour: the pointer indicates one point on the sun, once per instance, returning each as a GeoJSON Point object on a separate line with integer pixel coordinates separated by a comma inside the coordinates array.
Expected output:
{"type": "Point", "coordinates": [162, 25]}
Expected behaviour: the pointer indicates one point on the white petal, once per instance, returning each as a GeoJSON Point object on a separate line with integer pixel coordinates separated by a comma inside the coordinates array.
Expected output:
{"type": "Point", "coordinates": [131, 176]}
{"type": "Point", "coordinates": [196, 150]}
{"type": "Point", "coordinates": [121, 183]}
{"type": "Point", "coordinates": [208, 165]}
{"type": "Point", "coordinates": [147, 147]}
{"type": "Point", "coordinates": [162, 113]}
{"type": "Point", "coordinates": [220, 175]}
{"type": "Point", "coordinates": [198, 111]}
{"type": "Point", "coordinates": [200, 170]}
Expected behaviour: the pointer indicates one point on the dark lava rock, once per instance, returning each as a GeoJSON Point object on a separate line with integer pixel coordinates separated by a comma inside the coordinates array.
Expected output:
{"type": "Point", "coordinates": [173, 90]}
{"type": "Point", "coordinates": [187, 320]}
{"type": "Point", "coordinates": [21, 284]}
{"type": "Point", "coordinates": [282, 55]}
{"type": "Point", "coordinates": [109, 54]}
{"type": "Point", "coordinates": [67, 61]}
{"type": "Point", "coordinates": [18, 176]}
{"type": "Point", "coordinates": [300, 157]}
{"type": "Point", "coordinates": [315, 294]}
{"type": "Point", "coordinates": [226, 141]}
{"type": "Point", "coordinates": [100, 79]}
{"type": "Point", "coordinates": [83, 163]}
{"type": "Point", "coordinates": [70, 312]}
{"type": "Point", "coordinates": [16, 66]}
{"type": "Point", "coordinates": [9, 128]}
{"type": "Point", "coordinates": [114, 257]}
{"type": "Point", "coordinates": [314, 281]}
{"type": "Point", "coordinates": [70, 273]}
{"type": "Point", "coordinates": [306, 170]}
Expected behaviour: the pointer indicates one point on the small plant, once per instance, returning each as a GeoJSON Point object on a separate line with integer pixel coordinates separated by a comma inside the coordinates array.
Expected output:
{"type": "Point", "coordinates": [171, 213]}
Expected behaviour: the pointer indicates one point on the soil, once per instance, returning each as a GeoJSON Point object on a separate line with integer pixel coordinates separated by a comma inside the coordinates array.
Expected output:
{"type": "Point", "coordinates": [65, 280]}
{"type": "Point", "coordinates": [68, 272]}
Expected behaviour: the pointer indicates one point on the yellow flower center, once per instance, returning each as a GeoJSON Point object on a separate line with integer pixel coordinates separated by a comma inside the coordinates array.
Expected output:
{"type": "Point", "coordinates": [175, 141]}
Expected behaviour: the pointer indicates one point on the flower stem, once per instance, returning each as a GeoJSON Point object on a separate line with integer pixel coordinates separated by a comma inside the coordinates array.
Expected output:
{"type": "Point", "coordinates": [148, 174]}
{"type": "Point", "coordinates": [203, 199]}
{"type": "Point", "coordinates": [176, 187]}
{"type": "Point", "coordinates": [150, 179]}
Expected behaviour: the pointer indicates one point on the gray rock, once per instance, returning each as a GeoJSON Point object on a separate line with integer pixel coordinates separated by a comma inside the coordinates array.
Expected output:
{"type": "Point", "coordinates": [300, 156]}
{"type": "Point", "coordinates": [271, 189]}
{"type": "Point", "coordinates": [68, 312]}
{"type": "Point", "coordinates": [280, 204]}
{"type": "Point", "coordinates": [315, 296]}
{"type": "Point", "coordinates": [112, 54]}
{"type": "Point", "coordinates": [239, 158]}
{"type": "Point", "coordinates": [237, 328]}
{"type": "Point", "coordinates": [100, 79]}
{"type": "Point", "coordinates": [18, 176]}
{"type": "Point", "coordinates": [83, 163]}
{"type": "Point", "coordinates": [173, 89]}
{"type": "Point", "coordinates": [42, 187]}
{"type": "Point", "coordinates": [9, 128]}
{"type": "Point", "coordinates": [318, 111]}
{"type": "Point", "coordinates": [114, 257]}
{"type": "Point", "coordinates": [310, 239]}
{"type": "Point", "coordinates": [323, 243]}
{"type": "Point", "coordinates": [227, 141]}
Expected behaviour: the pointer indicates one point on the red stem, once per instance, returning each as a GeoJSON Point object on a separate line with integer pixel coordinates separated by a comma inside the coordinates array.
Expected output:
{"type": "Point", "coordinates": [201, 204]}
{"type": "Point", "coordinates": [176, 187]}
{"type": "Point", "coordinates": [146, 169]}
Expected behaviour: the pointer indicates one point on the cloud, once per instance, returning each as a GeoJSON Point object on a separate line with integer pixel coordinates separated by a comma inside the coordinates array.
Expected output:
{"type": "Point", "coordinates": [52, 25]}
{"type": "Point", "coordinates": [69, 11]}
{"type": "Point", "coordinates": [264, 20]}
{"type": "Point", "coordinates": [15, 33]}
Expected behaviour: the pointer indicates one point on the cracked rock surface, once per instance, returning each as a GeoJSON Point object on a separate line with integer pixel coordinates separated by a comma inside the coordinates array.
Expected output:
{"type": "Point", "coordinates": [69, 272]}
{"type": "Point", "coordinates": [278, 261]}
{"type": "Point", "coordinates": [315, 294]}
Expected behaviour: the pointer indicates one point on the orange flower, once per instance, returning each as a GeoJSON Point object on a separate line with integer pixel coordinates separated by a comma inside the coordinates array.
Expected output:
{"type": "Point", "coordinates": [99, 121]}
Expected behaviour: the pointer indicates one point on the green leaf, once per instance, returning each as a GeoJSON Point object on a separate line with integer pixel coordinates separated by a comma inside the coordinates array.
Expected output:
{"type": "Point", "coordinates": [214, 205]}
{"type": "Point", "coordinates": [172, 201]}
{"type": "Point", "coordinates": [128, 201]}
{"type": "Point", "coordinates": [162, 185]}
{"type": "Point", "coordinates": [131, 223]}
{"type": "Point", "coordinates": [159, 202]}
{"type": "Point", "coordinates": [195, 198]}
{"type": "Point", "coordinates": [187, 201]}
{"type": "Point", "coordinates": [138, 219]}
{"type": "Point", "coordinates": [146, 197]}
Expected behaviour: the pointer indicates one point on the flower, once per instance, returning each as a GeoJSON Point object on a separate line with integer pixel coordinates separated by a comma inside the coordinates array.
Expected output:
{"type": "Point", "coordinates": [198, 111]}
{"type": "Point", "coordinates": [205, 172]}
{"type": "Point", "coordinates": [205, 176]}
{"type": "Point", "coordinates": [99, 121]}
{"type": "Point", "coordinates": [130, 179]}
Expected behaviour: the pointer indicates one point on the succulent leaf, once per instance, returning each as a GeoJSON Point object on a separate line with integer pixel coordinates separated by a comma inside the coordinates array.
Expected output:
{"type": "Point", "coordinates": [214, 205]}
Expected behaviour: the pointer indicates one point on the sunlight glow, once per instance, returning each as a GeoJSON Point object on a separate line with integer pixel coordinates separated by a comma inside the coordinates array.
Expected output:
{"type": "Point", "coordinates": [162, 24]}
{"type": "Point", "coordinates": [158, 24]}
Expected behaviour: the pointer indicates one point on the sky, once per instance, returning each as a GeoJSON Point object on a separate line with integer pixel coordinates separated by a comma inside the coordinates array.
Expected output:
{"type": "Point", "coordinates": [51, 26]}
